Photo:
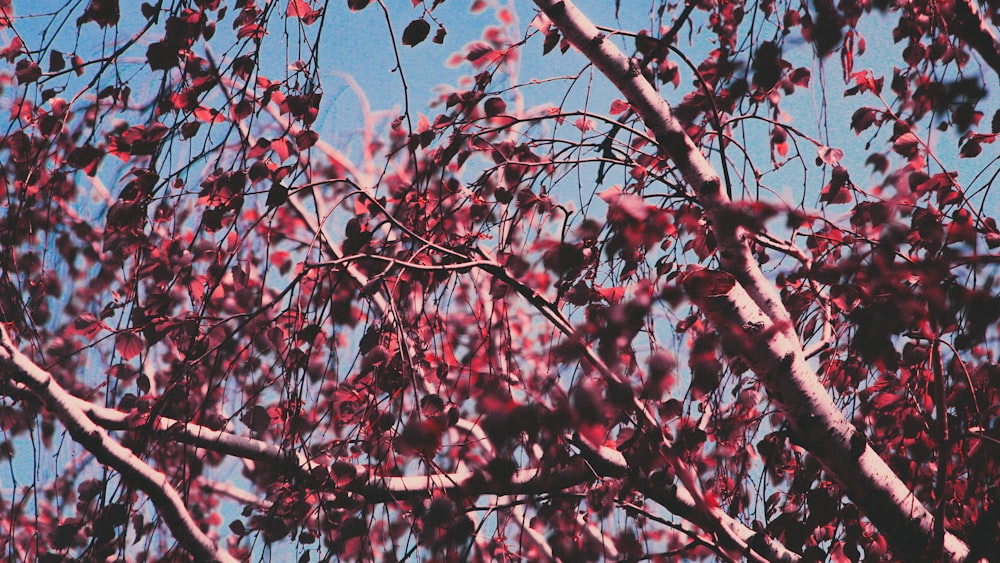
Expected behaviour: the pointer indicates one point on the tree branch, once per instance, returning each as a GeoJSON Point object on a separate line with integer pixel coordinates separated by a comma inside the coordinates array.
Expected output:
{"type": "Point", "coordinates": [818, 424]}
{"type": "Point", "coordinates": [95, 439]}
{"type": "Point", "coordinates": [658, 116]}
{"type": "Point", "coordinates": [747, 310]}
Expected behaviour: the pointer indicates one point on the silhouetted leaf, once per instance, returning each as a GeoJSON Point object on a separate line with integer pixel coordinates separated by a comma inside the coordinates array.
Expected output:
{"type": "Point", "coordinates": [416, 31]}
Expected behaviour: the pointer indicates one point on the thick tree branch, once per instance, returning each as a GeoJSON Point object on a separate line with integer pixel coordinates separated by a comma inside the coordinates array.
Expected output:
{"type": "Point", "coordinates": [95, 439]}
{"type": "Point", "coordinates": [817, 423]}
{"type": "Point", "coordinates": [657, 114]}
{"type": "Point", "coordinates": [751, 317]}
{"type": "Point", "coordinates": [600, 463]}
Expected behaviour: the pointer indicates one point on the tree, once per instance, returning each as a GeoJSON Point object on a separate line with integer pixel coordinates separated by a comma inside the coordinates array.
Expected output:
{"type": "Point", "coordinates": [576, 316]}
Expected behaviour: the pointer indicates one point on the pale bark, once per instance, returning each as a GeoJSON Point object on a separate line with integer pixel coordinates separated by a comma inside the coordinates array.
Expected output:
{"type": "Point", "coordinates": [95, 439]}
{"type": "Point", "coordinates": [601, 463]}
{"type": "Point", "coordinates": [752, 318]}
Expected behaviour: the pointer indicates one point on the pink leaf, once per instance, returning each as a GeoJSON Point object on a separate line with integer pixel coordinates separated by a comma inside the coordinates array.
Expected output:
{"type": "Point", "coordinates": [129, 345]}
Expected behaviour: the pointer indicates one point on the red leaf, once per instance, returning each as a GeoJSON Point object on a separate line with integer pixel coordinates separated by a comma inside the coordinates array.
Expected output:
{"type": "Point", "coordinates": [302, 10]}
{"type": "Point", "coordinates": [907, 145]}
{"type": "Point", "coordinates": [208, 115]}
{"type": "Point", "coordinates": [282, 149]}
{"type": "Point", "coordinates": [611, 294]}
{"type": "Point", "coordinates": [356, 5]}
{"type": "Point", "coordinates": [129, 345]}
{"type": "Point", "coordinates": [77, 65]}
{"type": "Point", "coordinates": [86, 324]}
{"type": "Point", "coordinates": [618, 107]}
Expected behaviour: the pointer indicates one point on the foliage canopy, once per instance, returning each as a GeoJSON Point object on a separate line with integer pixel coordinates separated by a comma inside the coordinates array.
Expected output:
{"type": "Point", "coordinates": [716, 280]}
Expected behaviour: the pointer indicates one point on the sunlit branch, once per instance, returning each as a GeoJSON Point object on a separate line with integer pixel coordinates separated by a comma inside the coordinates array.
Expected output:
{"type": "Point", "coordinates": [794, 385]}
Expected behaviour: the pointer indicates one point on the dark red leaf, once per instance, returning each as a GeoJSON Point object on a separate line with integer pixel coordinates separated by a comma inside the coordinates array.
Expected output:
{"type": "Point", "coordinates": [970, 149]}
{"type": "Point", "coordinates": [439, 35]}
{"type": "Point", "coordinates": [122, 371]}
{"type": "Point", "coordinates": [190, 129]}
{"type": "Point", "coordinates": [494, 107]}
{"type": "Point", "coordinates": [148, 10]}
{"type": "Point", "coordinates": [416, 32]}
{"type": "Point", "coordinates": [89, 489]}
{"type": "Point", "coordinates": [101, 12]}
{"type": "Point", "coordinates": [161, 56]}
{"type": "Point", "coordinates": [305, 139]}
{"type": "Point", "coordinates": [702, 284]}
{"type": "Point", "coordinates": [27, 71]}
{"type": "Point", "coordinates": [878, 161]}
{"type": "Point", "coordinates": [551, 40]}
{"type": "Point", "coordinates": [862, 119]}
{"type": "Point", "coordinates": [800, 77]}
{"type": "Point", "coordinates": [835, 191]}
{"type": "Point", "coordinates": [342, 473]}
{"type": "Point", "coordinates": [237, 527]}
{"type": "Point", "coordinates": [56, 61]}
{"type": "Point", "coordinates": [9, 418]}
{"type": "Point", "coordinates": [767, 65]}
{"type": "Point", "coordinates": [85, 158]}
{"type": "Point", "coordinates": [478, 51]}
{"type": "Point", "coordinates": [257, 419]}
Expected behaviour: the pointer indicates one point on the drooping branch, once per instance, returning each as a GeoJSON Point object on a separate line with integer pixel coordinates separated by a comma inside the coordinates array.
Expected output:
{"type": "Point", "coordinates": [95, 439]}
{"type": "Point", "coordinates": [752, 318]}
